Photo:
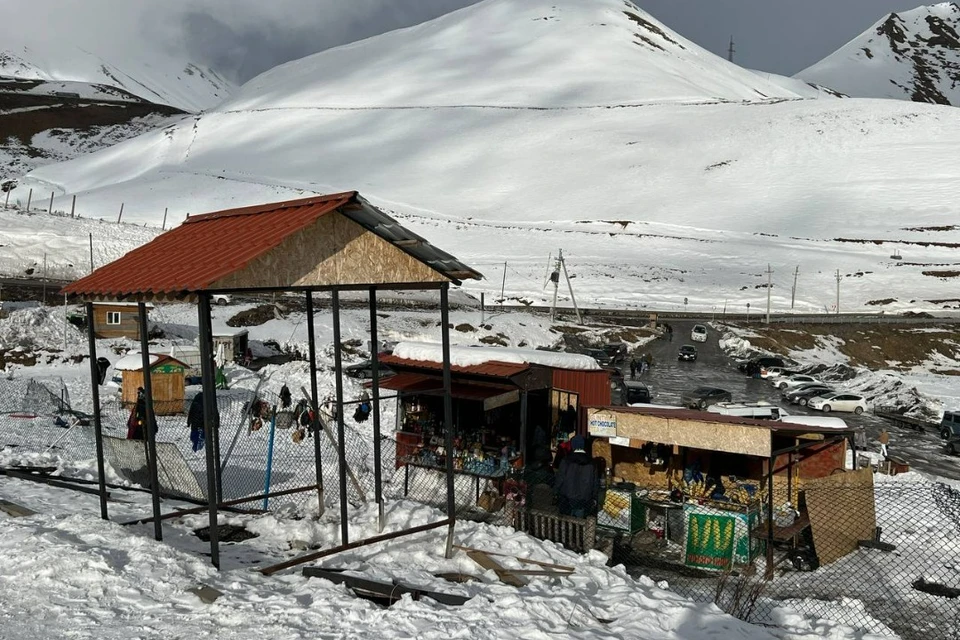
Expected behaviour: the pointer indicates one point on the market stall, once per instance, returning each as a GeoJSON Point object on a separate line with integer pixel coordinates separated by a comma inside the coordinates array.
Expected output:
{"type": "Point", "coordinates": [699, 486]}
{"type": "Point", "coordinates": [507, 406]}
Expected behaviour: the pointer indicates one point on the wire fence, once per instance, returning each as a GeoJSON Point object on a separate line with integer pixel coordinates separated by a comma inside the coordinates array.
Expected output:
{"type": "Point", "coordinates": [882, 560]}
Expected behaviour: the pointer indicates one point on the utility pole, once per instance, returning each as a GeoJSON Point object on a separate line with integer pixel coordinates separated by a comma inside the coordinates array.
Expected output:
{"type": "Point", "coordinates": [73, 205]}
{"type": "Point", "coordinates": [120, 215]}
{"type": "Point", "coordinates": [793, 291]}
{"type": "Point", "coordinates": [570, 287]}
{"type": "Point", "coordinates": [91, 253]}
{"type": "Point", "coordinates": [769, 287]}
{"type": "Point", "coordinates": [503, 286]}
{"type": "Point", "coordinates": [838, 291]}
{"type": "Point", "coordinates": [731, 50]}
{"type": "Point", "coordinates": [555, 279]}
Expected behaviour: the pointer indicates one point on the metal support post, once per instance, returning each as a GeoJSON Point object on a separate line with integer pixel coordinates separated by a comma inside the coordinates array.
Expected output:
{"type": "Point", "coordinates": [97, 425]}
{"type": "Point", "coordinates": [447, 412]}
{"type": "Point", "coordinates": [341, 435]}
{"type": "Point", "coordinates": [314, 401]}
{"type": "Point", "coordinates": [150, 428]}
{"type": "Point", "coordinates": [209, 418]}
{"type": "Point", "coordinates": [375, 405]}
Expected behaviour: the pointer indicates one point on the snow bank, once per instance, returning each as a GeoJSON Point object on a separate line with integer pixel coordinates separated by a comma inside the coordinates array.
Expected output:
{"type": "Point", "coordinates": [472, 356]}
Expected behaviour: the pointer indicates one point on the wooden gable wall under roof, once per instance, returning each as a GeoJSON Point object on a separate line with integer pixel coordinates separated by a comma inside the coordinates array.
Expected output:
{"type": "Point", "coordinates": [333, 250]}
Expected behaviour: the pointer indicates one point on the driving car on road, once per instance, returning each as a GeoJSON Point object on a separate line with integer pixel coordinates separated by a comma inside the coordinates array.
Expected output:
{"type": "Point", "coordinates": [793, 381]}
{"type": "Point", "coordinates": [687, 352]}
{"type": "Point", "coordinates": [839, 402]}
{"type": "Point", "coordinates": [703, 397]}
{"type": "Point", "coordinates": [802, 394]}
{"type": "Point", "coordinates": [699, 333]}
{"type": "Point", "coordinates": [637, 392]}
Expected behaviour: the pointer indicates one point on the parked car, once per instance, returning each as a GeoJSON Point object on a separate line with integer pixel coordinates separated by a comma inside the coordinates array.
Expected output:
{"type": "Point", "coordinates": [838, 402]}
{"type": "Point", "coordinates": [793, 381]}
{"type": "Point", "coordinates": [601, 356]}
{"type": "Point", "coordinates": [756, 410]}
{"type": "Point", "coordinates": [759, 363]}
{"type": "Point", "coordinates": [703, 397]}
{"type": "Point", "coordinates": [616, 351]}
{"type": "Point", "coordinates": [699, 333]}
{"type": "Point", "coordinates": [950, 431]}
{"type": "Point", "coordinates": [768, 373]}
{"type": "Point", "coordinates": [221, 298]}
{"type": "Point", "coordinates": [687, 352]}
{"type": "Point", "coordinates": [950, 425]}
{"type": "Point", "coordinates": [636, 392]}
{"type": "Point", "coordinates": [802, 394]}
{"type": "Point", "coordinates": [364, 370]}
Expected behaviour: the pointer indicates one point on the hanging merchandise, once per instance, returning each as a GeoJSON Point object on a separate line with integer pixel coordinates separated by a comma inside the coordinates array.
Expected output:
{"type": "Point", "coordinates": [298, 435]}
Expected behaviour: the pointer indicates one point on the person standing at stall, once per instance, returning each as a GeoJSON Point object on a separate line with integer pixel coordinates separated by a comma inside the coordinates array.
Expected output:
{"type": "Point", "coordinates": [884, 444]}
{"type": "Point", "coordinates": [138, 417]}
{"type": "Point", "coordinates": [576, 482]}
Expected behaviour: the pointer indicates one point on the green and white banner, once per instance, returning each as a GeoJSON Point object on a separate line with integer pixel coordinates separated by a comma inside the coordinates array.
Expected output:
{"type": "Point", "coordinates": [710, 541]}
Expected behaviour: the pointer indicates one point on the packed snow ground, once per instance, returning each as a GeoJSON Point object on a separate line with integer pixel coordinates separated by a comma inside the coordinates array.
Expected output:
{"type": "Point", "coordinates": [67, 573]}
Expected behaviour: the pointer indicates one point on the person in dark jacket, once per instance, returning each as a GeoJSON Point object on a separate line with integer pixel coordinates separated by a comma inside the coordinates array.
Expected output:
{"type": "Point", "coordinates": [576, 482]}
{"type": "Point", "coordinates": [286, 398]}
{"type": "Point", "coordinates": [138, 417]}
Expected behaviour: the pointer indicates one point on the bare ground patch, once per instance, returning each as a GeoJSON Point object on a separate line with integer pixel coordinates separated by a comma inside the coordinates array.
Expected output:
{"type": "Point", "coordinates": [866, 345]}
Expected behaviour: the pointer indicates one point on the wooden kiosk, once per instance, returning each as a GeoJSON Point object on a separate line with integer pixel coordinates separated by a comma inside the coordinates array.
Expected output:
{"type": "Point", "coordinates": [706, 484]}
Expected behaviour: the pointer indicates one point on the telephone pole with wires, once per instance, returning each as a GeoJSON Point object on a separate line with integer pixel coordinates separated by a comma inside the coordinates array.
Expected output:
{"type": "Point", "coordinates": [793, 291]}
{"type": "Point", "coordinates": [838, 291]}
{"type": "Point", "coordinates": [769, 287]}
{"type": "Point", "coordinates": [731, 50]}
{"type": "Point", "coordinates": [561, 265]}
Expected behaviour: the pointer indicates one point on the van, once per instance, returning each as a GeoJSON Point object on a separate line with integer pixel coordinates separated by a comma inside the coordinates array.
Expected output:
{"type": "Point", "coordinates": [950, 425]}
{"type": "Point", "coordinates": [754, 410]}
{"type": "Point", "coordinates": [828, 422]}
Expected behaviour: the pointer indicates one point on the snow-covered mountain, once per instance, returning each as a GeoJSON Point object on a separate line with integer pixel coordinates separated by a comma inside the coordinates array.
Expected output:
{"type": "Point", "coordinates": [148, 67]}
{"type": "Point", "coordinates": [509, 129]}
{"type": "Point", "coordinates": [913, 55]}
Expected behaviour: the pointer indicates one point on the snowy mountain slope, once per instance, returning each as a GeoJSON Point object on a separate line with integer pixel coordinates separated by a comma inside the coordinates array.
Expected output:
{"type": "Point", "coordinates": [656, 202]}
{"type": "Point", "coordinates": [151, 69]}
{"type": "Point", "coordinates": [913, 55]}
{"type": "Point", "coordinates": [538, 53]}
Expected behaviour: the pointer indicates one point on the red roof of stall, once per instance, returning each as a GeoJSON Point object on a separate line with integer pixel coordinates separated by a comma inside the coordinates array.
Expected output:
{"type": "Point", "coordinates": [489, 369]}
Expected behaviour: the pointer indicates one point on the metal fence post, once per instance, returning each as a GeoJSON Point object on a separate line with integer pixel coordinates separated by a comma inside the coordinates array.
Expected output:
{"type": "Point", "coordinates": [150, 434]}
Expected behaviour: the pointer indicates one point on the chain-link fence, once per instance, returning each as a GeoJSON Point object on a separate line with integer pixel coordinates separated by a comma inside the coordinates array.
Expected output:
{"type": "Point", "coordinates": [882, 560]}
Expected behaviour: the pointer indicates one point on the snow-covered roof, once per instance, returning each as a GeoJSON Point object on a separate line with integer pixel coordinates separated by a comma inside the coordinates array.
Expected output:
{"type": "Point", "coordinates": [134, 361]}
{"type": "Point", "coordinates": [472, 356]}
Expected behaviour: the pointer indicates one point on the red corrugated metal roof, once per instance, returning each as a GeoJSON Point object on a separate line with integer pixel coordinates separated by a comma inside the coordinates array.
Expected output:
{"type": "Point", "coordinates": [488, 369]}
{"type": "Point", "coordinates": [409, 382]}
{"type": "Point", "coordinates": [205, 249]}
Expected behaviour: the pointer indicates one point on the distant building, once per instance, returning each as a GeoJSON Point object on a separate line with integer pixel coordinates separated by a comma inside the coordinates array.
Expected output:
{"type": "Point", "coordinates": [117, 319]}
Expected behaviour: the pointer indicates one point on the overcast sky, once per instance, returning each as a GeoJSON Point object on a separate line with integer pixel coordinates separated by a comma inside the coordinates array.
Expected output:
{"type": "Point", "coordinates": [781, 36]}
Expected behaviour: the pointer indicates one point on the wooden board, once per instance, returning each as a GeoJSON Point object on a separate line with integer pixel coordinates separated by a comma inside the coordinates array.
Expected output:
{"type": "Point", "coordinates": [15, 510]}
{"type": "Point", "coordinates": [842, 512]}
{"type": "Point", "coordinates": [485, 561]}
{"type": "Point", "coordinates": [695, 434]}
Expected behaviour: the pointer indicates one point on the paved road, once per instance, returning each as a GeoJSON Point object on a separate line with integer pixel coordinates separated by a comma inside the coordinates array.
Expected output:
{"type": "Point", "coordinates": [668, 378]}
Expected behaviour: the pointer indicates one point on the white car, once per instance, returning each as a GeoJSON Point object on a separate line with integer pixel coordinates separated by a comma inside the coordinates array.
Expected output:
{"type": "Point", "coordinates": [839, 401]}
{"type": "Point", "coordinates": [793, 381]}
{"type": "Point", "coordinates": [771, 372]}
{"type": "Point", "coordinates": [221, 298]}
{"type": "Point", "coordinates": [699, 333]}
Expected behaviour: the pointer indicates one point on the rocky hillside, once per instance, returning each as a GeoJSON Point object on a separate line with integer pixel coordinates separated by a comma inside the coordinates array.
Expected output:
{"type": "Point", "coordinates": [913, 55]}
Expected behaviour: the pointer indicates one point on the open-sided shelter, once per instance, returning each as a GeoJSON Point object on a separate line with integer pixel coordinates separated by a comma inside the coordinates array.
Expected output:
{"type": "Point", "coordinates": [329, 243]}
